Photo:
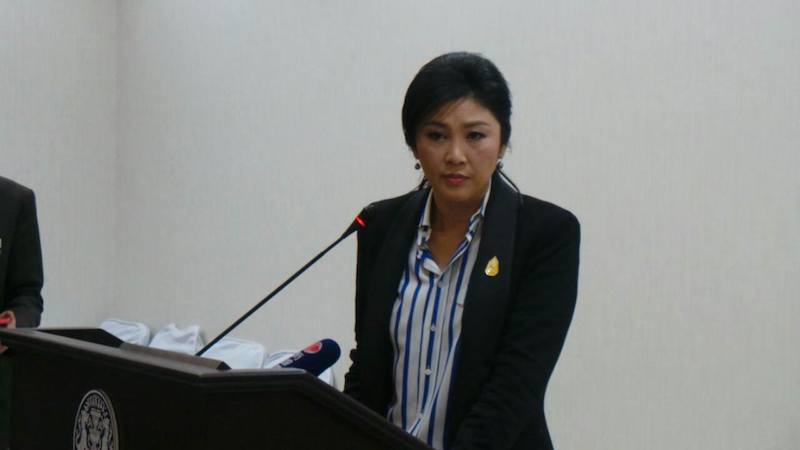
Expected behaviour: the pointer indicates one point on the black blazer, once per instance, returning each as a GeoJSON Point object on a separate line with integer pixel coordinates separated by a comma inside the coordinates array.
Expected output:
{"type": "Point", "coordinates": [513, 325]}
{"type": "Point", "coordinates": [20, 254]}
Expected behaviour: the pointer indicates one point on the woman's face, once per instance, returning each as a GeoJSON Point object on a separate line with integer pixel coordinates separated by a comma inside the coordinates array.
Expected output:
{"type": "Point", "coordinates": [458, 149]}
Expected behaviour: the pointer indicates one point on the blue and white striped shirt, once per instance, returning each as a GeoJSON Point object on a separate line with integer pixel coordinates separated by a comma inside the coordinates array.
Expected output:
{"type": "Point", "coordinates": [425, 327]}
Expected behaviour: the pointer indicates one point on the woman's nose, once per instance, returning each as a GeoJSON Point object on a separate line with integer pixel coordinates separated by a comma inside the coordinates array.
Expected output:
{"type": "Point", "coordinates": [455, 152]}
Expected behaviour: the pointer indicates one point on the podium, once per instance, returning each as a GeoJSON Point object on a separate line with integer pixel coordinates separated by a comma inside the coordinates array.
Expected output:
{"type": "Point", "coordinates": [85, 389]}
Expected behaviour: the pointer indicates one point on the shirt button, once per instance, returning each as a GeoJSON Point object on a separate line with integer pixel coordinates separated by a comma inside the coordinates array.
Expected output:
{"type": "Point", "coordinates": [427, 372]}
{"type": "Point", "coordinates": [433, 328]}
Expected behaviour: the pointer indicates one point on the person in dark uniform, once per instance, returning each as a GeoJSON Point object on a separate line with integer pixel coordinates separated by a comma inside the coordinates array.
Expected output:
{"type": "Point", "coordinates": [21, 275]}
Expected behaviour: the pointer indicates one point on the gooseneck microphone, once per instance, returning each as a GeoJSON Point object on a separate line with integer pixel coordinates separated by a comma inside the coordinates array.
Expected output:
{"type": "Point", "coordinates": [358, 223]}
{"type": "Point", "coordinates": [315, 358]}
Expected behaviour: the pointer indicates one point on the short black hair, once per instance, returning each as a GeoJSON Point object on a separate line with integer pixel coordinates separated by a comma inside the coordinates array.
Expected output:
{"type": "Point", "coordinates": [450, 77]}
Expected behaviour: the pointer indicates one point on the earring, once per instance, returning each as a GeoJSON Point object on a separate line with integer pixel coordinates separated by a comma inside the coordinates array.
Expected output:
{"type": "Point", "coordinates": [416, 166]}
{"type": "Point", "coordinates": [499, 164]}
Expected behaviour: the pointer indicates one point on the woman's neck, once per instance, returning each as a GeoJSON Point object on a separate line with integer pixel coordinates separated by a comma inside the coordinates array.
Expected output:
{"type": "Point", "coordinates": [449, 217]}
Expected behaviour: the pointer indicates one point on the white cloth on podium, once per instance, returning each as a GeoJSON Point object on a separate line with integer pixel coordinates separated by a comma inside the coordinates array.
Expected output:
{"type": "Point", "coordinates": [131, 332]}
{"type": "Point", "coordinates": [182, 340]}
{"type": "Point", "coordinates": [281, 355]}
{"type": "Point", "coordinates": [238, 353]}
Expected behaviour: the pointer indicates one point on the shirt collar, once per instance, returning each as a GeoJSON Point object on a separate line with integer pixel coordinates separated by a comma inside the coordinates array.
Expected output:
{"type": "Point", "coordinates": [425, 220]}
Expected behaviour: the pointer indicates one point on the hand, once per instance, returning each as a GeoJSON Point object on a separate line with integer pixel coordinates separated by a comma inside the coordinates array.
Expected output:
{"type": "Point", "coordinates": [7, 320]}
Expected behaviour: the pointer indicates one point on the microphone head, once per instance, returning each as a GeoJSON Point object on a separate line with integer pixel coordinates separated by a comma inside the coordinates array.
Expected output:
{"type": "Point", "coordinates": [315, 358]}
{"type": "Point", "coordinates": [359, 223]}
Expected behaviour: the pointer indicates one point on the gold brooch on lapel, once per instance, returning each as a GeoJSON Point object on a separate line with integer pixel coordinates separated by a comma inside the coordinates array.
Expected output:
{"type": "Point", "coordinates": [492, 267]}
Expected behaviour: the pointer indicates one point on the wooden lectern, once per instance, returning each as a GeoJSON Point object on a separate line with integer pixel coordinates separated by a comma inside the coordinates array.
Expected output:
{"type": "Point", "coordinates": [85, 389]}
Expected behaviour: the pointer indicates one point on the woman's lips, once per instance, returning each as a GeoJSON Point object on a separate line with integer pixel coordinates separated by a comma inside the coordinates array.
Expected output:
{"type": "Point", "coordinates": [455, 179]}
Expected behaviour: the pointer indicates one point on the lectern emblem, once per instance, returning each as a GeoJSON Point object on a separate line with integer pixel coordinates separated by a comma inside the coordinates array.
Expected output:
{"type": "Point", "coordinates": [95, 424]}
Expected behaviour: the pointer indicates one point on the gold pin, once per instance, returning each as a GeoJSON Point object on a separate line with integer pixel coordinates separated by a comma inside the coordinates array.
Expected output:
{"type": "Point", "coordinates": [492, 267]}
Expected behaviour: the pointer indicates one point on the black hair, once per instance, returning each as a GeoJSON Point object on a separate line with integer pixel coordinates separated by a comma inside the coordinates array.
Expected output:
{"type": "Point", "coordinates": [450, 77]}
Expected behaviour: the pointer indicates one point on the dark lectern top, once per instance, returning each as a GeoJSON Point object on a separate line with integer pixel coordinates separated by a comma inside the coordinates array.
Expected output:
{"type": "Point", "coordinates": [164, 400]}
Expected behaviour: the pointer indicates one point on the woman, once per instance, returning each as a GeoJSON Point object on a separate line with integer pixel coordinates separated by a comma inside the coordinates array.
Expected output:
{"type": "Point", "coordinates": [465, 287]}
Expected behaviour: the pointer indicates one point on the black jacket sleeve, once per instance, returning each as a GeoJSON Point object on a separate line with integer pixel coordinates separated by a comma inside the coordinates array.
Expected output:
{"type": "Point", "coordinates": [352, 379]}
{"type": "Point", "coordinates": [24, 275]}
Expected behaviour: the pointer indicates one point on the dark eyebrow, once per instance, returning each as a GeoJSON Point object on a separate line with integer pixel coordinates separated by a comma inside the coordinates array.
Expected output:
{"type": "Point", "coordinates": [476, 123]}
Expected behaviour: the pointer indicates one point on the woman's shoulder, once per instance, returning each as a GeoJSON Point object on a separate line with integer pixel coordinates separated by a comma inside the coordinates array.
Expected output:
{"type": "Point", "coordinates": [535, 206]}
{"type": "Point", "coordinates": [385, 215]}
{"type": "Point", "coordinates": [544, 215]}
{"type": "Point", "coordinates": [10, 191]}
{"type": "Point", "coordinates": [389, 205]}
{"type": "Point", "coordinates": [388, 208]}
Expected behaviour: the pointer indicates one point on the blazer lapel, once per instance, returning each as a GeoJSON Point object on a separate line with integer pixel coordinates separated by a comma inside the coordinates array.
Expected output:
{"type": "Point", "coordinates": [487, 296]}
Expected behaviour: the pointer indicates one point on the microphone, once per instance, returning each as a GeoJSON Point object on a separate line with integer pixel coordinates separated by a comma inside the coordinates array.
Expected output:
{"type": "Point", "coordinates": [315, 358]}
{"type": "Point", "coordinates": [358, 223]}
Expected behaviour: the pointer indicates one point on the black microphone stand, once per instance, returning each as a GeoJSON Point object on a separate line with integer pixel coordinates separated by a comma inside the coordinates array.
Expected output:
{"type": "Point", "coordinates": [357, 224]}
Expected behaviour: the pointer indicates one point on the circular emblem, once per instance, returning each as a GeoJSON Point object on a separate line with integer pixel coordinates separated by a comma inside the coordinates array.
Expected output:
{"type": "Point", "coordinates": [95, 424]}
{"type": "Point", "coordinates": [313, 348]}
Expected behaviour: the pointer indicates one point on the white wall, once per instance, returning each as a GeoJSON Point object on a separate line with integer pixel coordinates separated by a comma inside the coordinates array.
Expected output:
{"type": "Point", "coordinates": [57, 122]}
{"type": "Point", "coordinates": [249, 133]}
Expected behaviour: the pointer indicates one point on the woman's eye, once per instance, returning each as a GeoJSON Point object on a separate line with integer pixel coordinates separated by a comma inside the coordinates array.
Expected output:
{"type": "Point", "coordinates": [475, 136]}
{"type": "Point", "coordinates": [435, 135]}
